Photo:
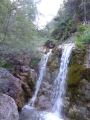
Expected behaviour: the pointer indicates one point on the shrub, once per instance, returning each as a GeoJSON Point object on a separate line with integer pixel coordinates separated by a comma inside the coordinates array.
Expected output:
{"type": "Point", "coordinates": [84, 37]}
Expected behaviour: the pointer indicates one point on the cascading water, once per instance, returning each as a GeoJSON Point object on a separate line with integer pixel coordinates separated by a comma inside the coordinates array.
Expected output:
{"type": "Point", "coordinates": [42, 69]}
{"type": "Point", "coordinates": [59, 84]}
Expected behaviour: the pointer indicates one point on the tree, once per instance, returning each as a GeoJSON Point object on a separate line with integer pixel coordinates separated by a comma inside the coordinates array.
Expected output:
{"type": "Point", "coordinates": [6, 9]}
{"type": "Point", "coordinates": [69, 15]}
{"type": "Point", "coordinates": [17, 19]}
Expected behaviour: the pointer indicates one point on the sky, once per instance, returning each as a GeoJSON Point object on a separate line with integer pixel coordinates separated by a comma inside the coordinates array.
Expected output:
{"type": "Point", "coordinates": [48, 8]}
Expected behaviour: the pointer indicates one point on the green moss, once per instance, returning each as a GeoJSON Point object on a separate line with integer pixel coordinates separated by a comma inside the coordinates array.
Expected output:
{"type": "Point", "coordinates": [74, 75]}
{"type": "Point", "coordinates": [76, 67]}
{"type": "Point", "coordinates": [78, 44]}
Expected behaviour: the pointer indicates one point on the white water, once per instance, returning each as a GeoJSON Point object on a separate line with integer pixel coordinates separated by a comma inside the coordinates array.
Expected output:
{"type": "Point", "coordinates": [42, 69]}
{"type": "Point", "coordinates": [60, 81]}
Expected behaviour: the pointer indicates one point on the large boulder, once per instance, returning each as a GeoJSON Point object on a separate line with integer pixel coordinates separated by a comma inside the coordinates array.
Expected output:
{"type": "Point", "coordinates": [8, 108]}
{"type": "Point", "coordinates": [11, 86]}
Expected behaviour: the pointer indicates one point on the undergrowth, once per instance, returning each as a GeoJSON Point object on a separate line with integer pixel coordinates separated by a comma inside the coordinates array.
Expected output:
{"type": "Point", "coordinates": [17, 46]}
{"type": "Point", "coordinates": [83, 35]}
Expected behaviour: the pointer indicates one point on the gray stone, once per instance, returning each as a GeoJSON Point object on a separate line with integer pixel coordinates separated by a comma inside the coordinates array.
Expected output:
{"type": "Point", "coordinates": [8, 108]}
{"type": "Point", "coordinates": [77, 113]}
{"type": "Point", "coordinates": [11, 86]}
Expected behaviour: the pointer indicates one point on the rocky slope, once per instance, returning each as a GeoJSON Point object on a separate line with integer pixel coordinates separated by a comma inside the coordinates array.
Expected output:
{"type": "Point", "coordinates": [17, 87]}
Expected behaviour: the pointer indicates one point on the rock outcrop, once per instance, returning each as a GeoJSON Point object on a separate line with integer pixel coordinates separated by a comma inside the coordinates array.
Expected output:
{"type": "Point", "coordinates": [78, 89]}
{"type": "Point", "coordinates": [11, 86]}
{"type": "Point", "coordinates": [8, 108]}
{"type": "Point", "coordinates": [20, 88]}
{"type": "Point", "coordinates": [26, 75]}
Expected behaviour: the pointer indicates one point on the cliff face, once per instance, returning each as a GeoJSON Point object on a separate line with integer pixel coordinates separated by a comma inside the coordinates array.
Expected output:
{"type": "Point", "coordinates": [77, 98]}
{"type": "Point", "coordinates": [78, 86]}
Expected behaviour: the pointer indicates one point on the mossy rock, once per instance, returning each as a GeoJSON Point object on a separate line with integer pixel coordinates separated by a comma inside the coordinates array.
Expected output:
{"type": "Point", "coordinates": [76, 67]}
{"type": "Point", "coordinates": [74, 75]}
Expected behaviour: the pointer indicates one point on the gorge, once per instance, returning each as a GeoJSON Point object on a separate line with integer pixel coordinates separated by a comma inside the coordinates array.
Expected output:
{"type": "Point", "coordinates": [62, 86]}
{"type": "Point", "coordinates": [44, 70]}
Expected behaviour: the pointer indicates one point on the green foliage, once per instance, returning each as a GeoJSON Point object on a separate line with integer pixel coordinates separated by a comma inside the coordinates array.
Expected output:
{"type": "Point", "coordinates": [70, 14]}
{"type": "Point", "coordinates": [80, 28]}
{"type": "Point", "coordinates": [17, 30]}
{"type": "Point", "coordinates": [17, 20]}
{"type": "Point", "coordinates": [84, 37]}
{"type": "Point", "coordinates": [78, 44]}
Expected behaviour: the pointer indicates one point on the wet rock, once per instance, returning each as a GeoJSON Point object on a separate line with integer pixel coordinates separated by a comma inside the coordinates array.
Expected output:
{"type": "Point", "coordinates": [53, 64]}
{"type": "Point", "coordinates": [44, 97]}
{"type": "Point", "coordinates": [43, 103]}
{"type": "Point", "coordinates": [31, 114]}
{"type": "Point", "coordinates": [8, 108]}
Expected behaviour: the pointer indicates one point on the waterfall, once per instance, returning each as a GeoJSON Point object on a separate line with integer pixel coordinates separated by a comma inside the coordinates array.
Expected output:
{"type": "Point", "coordinates": [42, 69]}
{"type": "Point", "coordinates": [59, 84]}
{"type": "Point", "coordinates": [60, 81]}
